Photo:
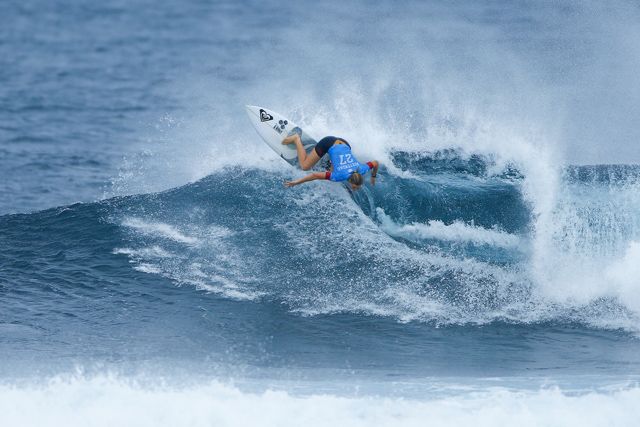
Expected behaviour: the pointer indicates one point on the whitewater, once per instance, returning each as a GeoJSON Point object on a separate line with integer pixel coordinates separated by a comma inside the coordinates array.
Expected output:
{"type": "Point", "coordinates": [155, 271]}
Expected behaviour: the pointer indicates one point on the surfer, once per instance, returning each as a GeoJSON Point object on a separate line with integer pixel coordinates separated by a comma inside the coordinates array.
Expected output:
{"type": "Point", "coordinates": [344, 166]}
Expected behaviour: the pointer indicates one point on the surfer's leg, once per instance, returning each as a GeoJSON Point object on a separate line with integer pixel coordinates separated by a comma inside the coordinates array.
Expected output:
{"type": "Point", "coordinates": [306, 160]}
{"type": "Point", "coordinates": [310, 159]}
{"type": "Point", "coordinates": [321, 148]}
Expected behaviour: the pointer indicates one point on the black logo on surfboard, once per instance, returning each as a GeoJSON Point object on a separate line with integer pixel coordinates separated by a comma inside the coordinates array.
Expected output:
{"type": "Point", "coordinates": [264, 116]}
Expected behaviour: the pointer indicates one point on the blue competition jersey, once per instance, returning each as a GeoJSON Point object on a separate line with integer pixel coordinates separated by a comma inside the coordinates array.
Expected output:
{"type": "Point", "coordinates": [344, 163]}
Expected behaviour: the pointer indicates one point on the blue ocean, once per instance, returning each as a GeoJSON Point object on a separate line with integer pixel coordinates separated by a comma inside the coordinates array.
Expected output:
{"type": "Point", "coordinates": [155, 271]}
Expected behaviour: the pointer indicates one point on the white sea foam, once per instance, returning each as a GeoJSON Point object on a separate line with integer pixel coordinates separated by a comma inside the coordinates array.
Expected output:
{"type": "Point", "coordinates": [210, 264]}
{"type": "Point", "coordinates": [457, 231]}
{"type": "Point", "coordinates": [160, 229]}
{"type": "Point", "coordinates": [216, 283]}
{"type": "Point", "coordinates": [587, 250]}
{"type": "Point", "coordinates": [150, 252]}
{"type": "Point", "coordinates": [147, 268]}
{"type": "Point", "coordinates": [624, 277]}
{"type": "Point", "coordinates": [108, 401]}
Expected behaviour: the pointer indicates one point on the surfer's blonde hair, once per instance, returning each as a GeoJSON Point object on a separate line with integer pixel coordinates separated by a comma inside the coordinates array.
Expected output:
{"type": "Point", "coordinates": [356, 179]}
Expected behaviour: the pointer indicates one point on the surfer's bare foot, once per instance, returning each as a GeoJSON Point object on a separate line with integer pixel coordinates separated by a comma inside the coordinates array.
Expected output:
{"type": "Point", "coordinates": [290, 139]}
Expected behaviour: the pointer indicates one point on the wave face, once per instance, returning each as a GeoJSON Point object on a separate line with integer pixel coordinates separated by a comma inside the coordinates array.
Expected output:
{"type": "Point", "coordinates": [235, 268]}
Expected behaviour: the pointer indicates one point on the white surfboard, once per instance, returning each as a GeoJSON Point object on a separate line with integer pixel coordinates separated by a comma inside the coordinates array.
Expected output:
{"type": "Point", "coordinates": [274, 127]}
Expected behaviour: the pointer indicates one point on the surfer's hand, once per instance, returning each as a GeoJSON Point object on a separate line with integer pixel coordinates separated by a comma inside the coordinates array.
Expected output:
{"type": "Point", "coordinates": [289, 183]}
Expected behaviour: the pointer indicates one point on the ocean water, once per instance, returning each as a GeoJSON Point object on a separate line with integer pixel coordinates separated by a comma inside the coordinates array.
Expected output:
{"type": "Point", "coordinates": [155, 271]}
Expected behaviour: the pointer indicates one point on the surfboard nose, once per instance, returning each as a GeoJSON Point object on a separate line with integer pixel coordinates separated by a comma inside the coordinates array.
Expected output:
{"type": "Point", "coordinates": [252, 111]}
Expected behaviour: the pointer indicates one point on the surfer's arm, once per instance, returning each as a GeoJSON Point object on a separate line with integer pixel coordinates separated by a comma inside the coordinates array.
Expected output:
{"type": "Point", "coordinates": [374, 170]}
{"type": "Point", "coordinates": [310, 177]}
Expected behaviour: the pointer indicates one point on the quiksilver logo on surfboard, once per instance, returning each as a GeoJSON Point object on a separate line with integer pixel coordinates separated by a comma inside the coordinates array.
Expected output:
{"type": "Point", "coordinates": [264, 116]}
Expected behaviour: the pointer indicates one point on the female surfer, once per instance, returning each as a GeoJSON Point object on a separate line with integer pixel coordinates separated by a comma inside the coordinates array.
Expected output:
{"type": "Point", "coordinates": [344, 166]}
